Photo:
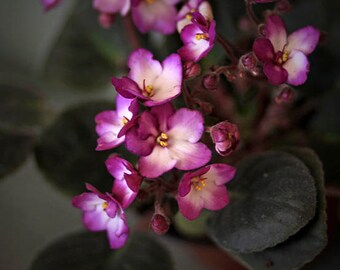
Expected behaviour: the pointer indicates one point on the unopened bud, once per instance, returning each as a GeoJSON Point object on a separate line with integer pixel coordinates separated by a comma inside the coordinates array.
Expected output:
{"type": "Point", "coordinates": [248, 61]}
{"type": "Point", "coordinates": [211, 81]}
{"type": "Point", "coordinates": [286, 95]}
{"type": "Point", "coordinates": [106, 20]}
{"type": "Point", "coordinates": [191, 70]}
{"type": "Point", "coordinates": [226, 137]}
{"type": "Point", "coordinates": [282, 6]}
{"type": "Point", "coordinates": [159, 223]}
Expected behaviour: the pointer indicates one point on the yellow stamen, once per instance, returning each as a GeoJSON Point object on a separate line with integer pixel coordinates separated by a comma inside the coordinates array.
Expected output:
{"type": "Point", "coordinates": [162, 140]}
{"type": "Point", "coordinates": [198, 183]}
{"type": "Point", "coordinates": [105, 205]}
{"type": "Point", "coordinates": [150, 1]}
{"type": "Point", "coordinates": [202, 36]}
{"type": "Point", "coordinates": [124, 121]}
{"type": "Point", "coordinates": [188, 16]}
{"type": "Point", "coordinates": [148, 90]}
{"type": "Point", "coordinates": [284, 57]}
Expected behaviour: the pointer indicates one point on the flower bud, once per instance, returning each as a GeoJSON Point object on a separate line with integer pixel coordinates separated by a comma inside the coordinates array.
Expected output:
{"type": "Point", "coordinates": [106, 20]}
{"type": "Point", "coordinates": [191, 70]}
{"type": "Point", "coordinates": [285, 96]}
{"type": "Point", "coordinates": [211, 81]}
{"type": "Point", "coordinates": [159, 223]}
{"type": "Point", "coordinates": [225, 135]}
{"type": "Point", "coordinates": [282, 6]}
{"type": "Point", "coordinates": [248, 61]}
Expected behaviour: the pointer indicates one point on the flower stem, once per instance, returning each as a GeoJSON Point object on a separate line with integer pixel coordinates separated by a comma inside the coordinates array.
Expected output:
{"type": "Point", "coordinates": [131, 33]}
{"type": "Point", "coordinates": [228, 47]}
{"type": "Point", "coordinates": [250, 13]}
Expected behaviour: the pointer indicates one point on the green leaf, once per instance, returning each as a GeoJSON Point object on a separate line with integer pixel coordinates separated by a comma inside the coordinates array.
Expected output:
{"type": "Point", "coordinates": [85, 55]}
{"type": "Point", "coordinates": [195, 228]}
{"type": "Point", "coordinates": [22, 111]}
{"type": "Point", "coordinates": [141, 252]}
{"type": "Point", "coordinates": [66, 150]}
{"type": "Point", "coordinates": [90, 251]}
{"type": "Point", "coordinates": [309, 241]}
{"type": "Point", "coordinates": [274, 197]}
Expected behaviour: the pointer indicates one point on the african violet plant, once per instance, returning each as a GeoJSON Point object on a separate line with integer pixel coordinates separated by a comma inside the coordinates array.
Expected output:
{"type": "Point", "coordinates": [209, 130]}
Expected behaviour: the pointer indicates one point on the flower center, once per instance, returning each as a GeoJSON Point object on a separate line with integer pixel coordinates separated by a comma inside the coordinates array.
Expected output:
{"type": "Point", "coordinates": [124, 121]}
{"type": "Point", "coordinates": [202, 36]}
{"type": "Point", "coordinates": [105, 205]}
{"type": "Point", "coordinates": [282, 57]}
{"type": "Point", "coordinates": [150, 1]}
{"type": "Point", "coordinates": [189, 14]}
{"type": "Point", "coordinates": [148, 90]}
{"type": "Point", "coordinates": [198, 183]}
{"type": "Point", "coordinates": [162, 140]}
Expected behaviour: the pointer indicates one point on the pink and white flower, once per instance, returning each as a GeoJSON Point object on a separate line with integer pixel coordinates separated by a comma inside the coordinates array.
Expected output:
{"type": "Point", "coordinates": [284, 57]}
{"type": "Point", "coordinates": [112, 6]}
{"type": "Point", "coordinates": [165, 138]}
{"type": "Point", "coordinates": [103, 212]}
{"type": "Point", "coordinates": [204, 188]}
{"type": "Point", "coordinates": [111, 125]}
{"type": "Point", "coordinates": [126, 179]}
{"type": "Point", "coordinates": [155, 15]}
{"type": "Point", "coordinates": [184, 16]}
{"type": "Point", "coordinates": [49, 4]}
{"type": "Point", "coordinates": [149, 80]}
{"type": "Point", "coordinates": [198, 38]}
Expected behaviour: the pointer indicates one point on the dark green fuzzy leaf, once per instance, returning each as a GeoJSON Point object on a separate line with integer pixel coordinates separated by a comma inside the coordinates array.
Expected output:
{"type": "Point", "coordinates": [66, 150]}
{"type": "Point", "coordinates": [86, 55]}
{"type": "Point", "coordinates": [276, 197]}
{"type": "Point", "coordinates": [90, 251]}
{"type": "Point", "coordinates": [22, 111]}
{"type": "Point", "coordinates": [309, 241]}
{"type": "Point", "coordinates": [141, 252]}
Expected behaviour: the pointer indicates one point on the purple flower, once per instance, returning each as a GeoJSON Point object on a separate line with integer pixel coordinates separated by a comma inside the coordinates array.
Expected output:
{"type": "Point", "coordinates": [184, 16]}
{"type": "Point", "coordinates": [112, 6]}
{"type": "Point", "coordinates": [285, 58]}
{"type": "Point", "coordinates": [225, 135]}
{"type": "Point", "coordinates": [204, 188]}
{"type": "Point", "coordinates": [156, 15]}
{"type": "Point", "coordinates": [49, 4]}
{"type": "Point", "coordinates": [110, 125]}
{"type": "Point", "coordinates": [149, 80]}
{"type": "Point", "coordinates": [127, 180]}
{"type": "Point", "coordinates": [198, 38]}
{"type": "Point", "coordinates": [166, 139]}
{"type": "Point", "coordinates": [102, 212]}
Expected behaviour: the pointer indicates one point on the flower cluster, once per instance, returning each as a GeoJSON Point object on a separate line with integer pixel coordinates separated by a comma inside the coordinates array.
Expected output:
{"type": "Point", "coordinates": [167, 136]}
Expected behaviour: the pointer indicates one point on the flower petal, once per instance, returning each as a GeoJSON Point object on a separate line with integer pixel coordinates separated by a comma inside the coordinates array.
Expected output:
{"type": "Point", "coordinates": [263, 49]}
{"type": "Point", "coordinates": [127, 88]}
{"type": "Point", "coordinates": [215, 198]}
{"type": "Point", "coordinates": [276, 74]}
{"type": "Point", "coordinates": [186, 125]}
{"type": "Point", "coordinates": [297, 67]}
{"type": "Point", "coordinates": [95, 220]}
{"type": "Point", "coordinates": [190, 206]}
{"type": "Point", "coordinates": [275, 31]}
{"type": "Point", "coordinates": [157, 163]}
{"type": "Point", "coordinates": [117, 231]}
{"type": "Point", "coordinates": [112, 6]}
{"type": "Point", "coordinates": [189, 156]}
{"type": "Point", "coordinates": [221, 173]}
{"type": "Point", "coordinates": [304, 40]}
{"type": "Point", "coordinates": [162, 114]}
{"type": "Point", "coordinates": [87, 201]}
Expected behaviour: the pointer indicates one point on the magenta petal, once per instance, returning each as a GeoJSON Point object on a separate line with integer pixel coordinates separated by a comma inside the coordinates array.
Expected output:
{"type": "Point", "coordinates": [49, 4]}
{"type": "Point", "coordinates": [263, 49]}
{"type": "Point", "coordinates": [95, 220]}
{"type": "Point", "coordinates": [125, 105]}
{"type": "Point", "coordinates": [275, 31]}
{"type": "Point", "coordinates": [190, 206]}
{"type": "Point", "coordinates": [216, 199]}
{"type": "Point", "coordinates": [127, 88]}
{"type": "Point", "coordinates": [157, 163]}
{"type": "Point", "coordinates": [276, 74]}
{"type": "Point", "coordinates": [112, 6]}
{"type": "Point", "coordinates": [112, 208]}
{"type": "Point", "coordinates": [185, 185]}
{"type": "Point", "coordinates": [117, 231]}
{"type": "Point", "coordinates": [162, 114]}
{"type": "Point", "coordinates": [143, 68]}
{"type": "Point", "coordinates": [187, 125]}
{"type": "Point", "coordinates": [221, 173]}
{"type": "Point", "coordinates": [87, 201]}
{"type": "Point", "coordinates": [133, 181]}
{"type": "Point", "coordinates": [304, 40]}
{"type": "Point", "coordinates": [125, 196]}
{"type": "Point", "coordinates": [138, 146]}
{"type": "Point", "coordinates": [297, 67]}
{"type": "Point", "coordinates": [189, 156]}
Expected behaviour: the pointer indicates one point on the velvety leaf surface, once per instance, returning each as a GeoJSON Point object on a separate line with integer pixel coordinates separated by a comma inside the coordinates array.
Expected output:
{"type": "Point", "coordinates": [90, 251]}
{"type": "Point", "coordinates": [22, 111]}
{"type": "Point", "coordinates": [141, 252]}
{"type": "Point", "coordinates": [309, 241]}
{"type": "Point", "coordinates": [274, 197]}
{"type": "Point", "coordinates": [85, 55]}
{"type": "Point", "coordinates": [66, 150]}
